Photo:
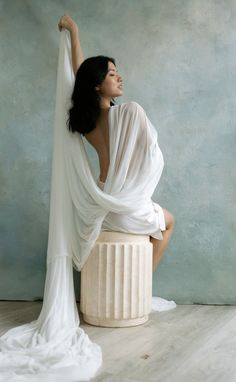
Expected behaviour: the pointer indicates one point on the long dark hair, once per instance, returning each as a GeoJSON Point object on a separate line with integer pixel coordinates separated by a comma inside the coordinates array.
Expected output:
{"type": "Point", "coordinates": [85, 107]}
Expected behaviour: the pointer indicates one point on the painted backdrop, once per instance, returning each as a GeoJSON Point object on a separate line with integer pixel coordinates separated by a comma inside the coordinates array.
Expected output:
{"type": "Point", "coordinates": [178, 60]}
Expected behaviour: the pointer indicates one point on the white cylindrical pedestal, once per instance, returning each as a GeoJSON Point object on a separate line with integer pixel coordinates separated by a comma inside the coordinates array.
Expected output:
{"type": "Point", "coordinates": [116, 281]}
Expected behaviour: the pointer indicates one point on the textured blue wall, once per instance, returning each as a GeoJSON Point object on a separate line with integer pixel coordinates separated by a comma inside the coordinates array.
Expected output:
{"type": "Point", "coordinates": [178, 60]}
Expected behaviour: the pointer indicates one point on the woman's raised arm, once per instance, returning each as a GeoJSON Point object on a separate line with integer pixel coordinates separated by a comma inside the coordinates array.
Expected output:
{"type": "Point", "coordinates": [76, 50]}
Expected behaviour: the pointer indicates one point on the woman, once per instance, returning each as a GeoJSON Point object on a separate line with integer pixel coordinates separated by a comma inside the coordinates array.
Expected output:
{"type": "Point", "coordinates": [96, 98]}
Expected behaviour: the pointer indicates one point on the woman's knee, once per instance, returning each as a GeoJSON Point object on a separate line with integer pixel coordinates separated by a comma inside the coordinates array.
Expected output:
{"type": "Point", "coordinates": [169, 219]}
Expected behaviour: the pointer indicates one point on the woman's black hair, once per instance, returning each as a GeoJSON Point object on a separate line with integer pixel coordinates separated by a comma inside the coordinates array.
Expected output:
{"type": "Point", "coordinates": [85, 99]}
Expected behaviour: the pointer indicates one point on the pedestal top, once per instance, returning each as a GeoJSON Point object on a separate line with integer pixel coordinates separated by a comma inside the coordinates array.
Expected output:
{"type": "Point", "coordinates": [112, 236]}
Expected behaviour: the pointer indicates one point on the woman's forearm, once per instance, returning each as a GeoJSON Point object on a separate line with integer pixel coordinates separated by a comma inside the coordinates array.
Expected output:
{"type": "Point", "coordinates": [76, 50]}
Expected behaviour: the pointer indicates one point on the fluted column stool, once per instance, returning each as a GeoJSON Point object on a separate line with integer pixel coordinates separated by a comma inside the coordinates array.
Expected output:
{"type": "Point", "coordinates": [116, 281]}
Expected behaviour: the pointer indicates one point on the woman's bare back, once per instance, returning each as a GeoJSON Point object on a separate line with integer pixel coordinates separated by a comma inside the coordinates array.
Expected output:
{"type": "Point", "coordinates": [99, 139]}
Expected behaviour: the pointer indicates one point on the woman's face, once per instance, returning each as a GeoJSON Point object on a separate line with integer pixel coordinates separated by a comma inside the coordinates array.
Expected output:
{"type": "Point", "coordinates": [111, 86]}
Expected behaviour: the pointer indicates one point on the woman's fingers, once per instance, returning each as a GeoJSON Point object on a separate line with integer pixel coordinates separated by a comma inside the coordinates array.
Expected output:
{"type": "Point", "coordinates": [66, 22]}
{"type": "Point", "coordinates": [61, 23]}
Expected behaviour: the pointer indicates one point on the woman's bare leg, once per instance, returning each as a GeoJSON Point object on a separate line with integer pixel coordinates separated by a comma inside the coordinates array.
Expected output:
{"type": "Point", "coordinates": [159, 246]}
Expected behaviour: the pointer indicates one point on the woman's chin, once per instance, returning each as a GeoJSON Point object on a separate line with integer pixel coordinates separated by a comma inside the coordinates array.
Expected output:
{"type": "Point", "coordinates": [120, 93]}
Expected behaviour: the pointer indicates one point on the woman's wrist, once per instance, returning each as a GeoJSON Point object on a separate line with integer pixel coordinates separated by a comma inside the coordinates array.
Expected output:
{"type": "Point", "coordinates": [74, 30]}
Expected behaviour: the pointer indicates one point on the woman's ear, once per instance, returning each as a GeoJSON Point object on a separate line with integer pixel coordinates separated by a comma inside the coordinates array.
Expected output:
{"type": "Point", "coordinates": [97, 88]}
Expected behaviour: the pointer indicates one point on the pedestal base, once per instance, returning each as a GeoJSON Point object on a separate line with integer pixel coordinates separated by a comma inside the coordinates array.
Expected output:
{"type": "Point", "coordinates": [111, 323]}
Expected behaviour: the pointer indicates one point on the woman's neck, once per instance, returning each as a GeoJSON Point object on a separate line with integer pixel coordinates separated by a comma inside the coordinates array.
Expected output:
{"type": "Point", "coordinates": [105, 103]}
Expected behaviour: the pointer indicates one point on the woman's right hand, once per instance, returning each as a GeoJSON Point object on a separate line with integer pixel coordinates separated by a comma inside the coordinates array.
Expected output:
{"type": "Point", "coordinates": [68, 23]}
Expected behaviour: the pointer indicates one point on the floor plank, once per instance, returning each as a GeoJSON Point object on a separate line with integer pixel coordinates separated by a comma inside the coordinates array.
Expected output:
{"type": "Point", "coordinates": [192, 343]}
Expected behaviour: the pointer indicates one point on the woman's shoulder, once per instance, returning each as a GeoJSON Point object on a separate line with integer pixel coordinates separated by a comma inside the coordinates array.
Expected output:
{"type": "Point", "coordinates": [132, 107]}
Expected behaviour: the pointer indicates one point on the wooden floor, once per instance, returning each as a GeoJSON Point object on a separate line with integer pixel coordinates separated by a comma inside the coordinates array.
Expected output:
{"type": "Point", "coordinates": [187, 344]}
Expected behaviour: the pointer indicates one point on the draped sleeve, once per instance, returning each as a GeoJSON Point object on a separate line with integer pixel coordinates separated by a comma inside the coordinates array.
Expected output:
{"type": "Point", "coordinates": [137, 161]}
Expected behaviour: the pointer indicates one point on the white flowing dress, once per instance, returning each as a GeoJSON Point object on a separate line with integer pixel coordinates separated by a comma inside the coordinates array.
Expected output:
{"type": "Point", "coordinates": [54, 347]}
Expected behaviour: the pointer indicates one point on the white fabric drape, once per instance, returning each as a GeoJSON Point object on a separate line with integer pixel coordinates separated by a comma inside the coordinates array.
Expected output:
{"type": "Point", "coordinates": [78, 206]}
{"type": "Point", "coordinates": [54, 347]}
